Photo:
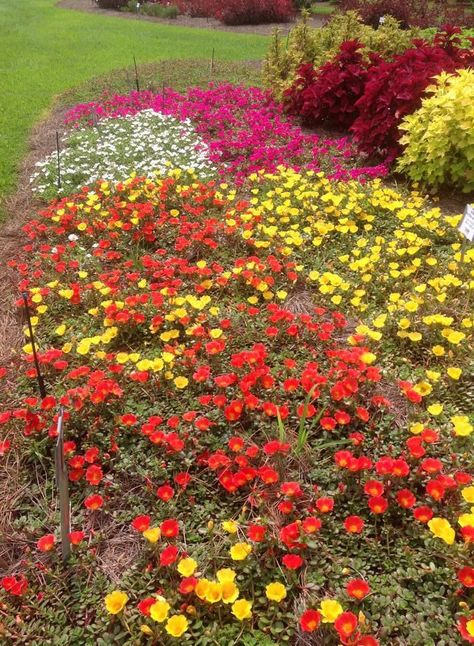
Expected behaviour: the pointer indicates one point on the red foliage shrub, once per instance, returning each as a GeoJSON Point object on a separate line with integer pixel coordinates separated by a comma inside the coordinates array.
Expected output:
{"type": "Point", "coordinates": [396, 89]}
{"type": "Point", "coordinates": [253, 12]}
{"type": "Point", "coordinates": [239, 12]}
{"type": "Point", "coordinates": [330, 93]}
{"type": "Point", "coordinates": [410, 13]}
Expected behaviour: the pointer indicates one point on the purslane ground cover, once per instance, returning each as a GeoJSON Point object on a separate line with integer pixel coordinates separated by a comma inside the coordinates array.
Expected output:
{"type": "Point", "coordinates": [262, 374]}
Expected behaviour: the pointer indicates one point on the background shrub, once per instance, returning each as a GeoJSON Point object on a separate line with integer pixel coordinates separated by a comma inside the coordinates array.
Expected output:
{"type": "Point", "coordinates": [318, 46]}
{"type": "Point", "coordinates": [252, 12]}
{"type": "Point", "coordinates": [112, 4]}
{"type": "Point", "coordinates": [439, 137]}
{"type": "Point", "coordinates": [159, 10]}
{"type": "Point", "coordinates": [329, 93]}
{"type": "Point", "coordinates": [410, 12]}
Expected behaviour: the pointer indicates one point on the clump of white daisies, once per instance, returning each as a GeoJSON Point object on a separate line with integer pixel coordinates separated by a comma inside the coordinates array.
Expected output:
{"type": "Point", "coordinates": [145, 143]}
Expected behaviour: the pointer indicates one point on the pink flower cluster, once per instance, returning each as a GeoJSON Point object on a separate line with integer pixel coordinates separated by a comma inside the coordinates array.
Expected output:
{"type": "Point", "coordinates": [245, 129]}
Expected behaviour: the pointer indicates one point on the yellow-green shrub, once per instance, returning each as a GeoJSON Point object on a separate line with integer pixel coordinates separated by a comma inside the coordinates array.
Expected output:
{"type": "Point", "coordinates": [305, 44]}
{"type": "Point", "coordinates": [439, 139]}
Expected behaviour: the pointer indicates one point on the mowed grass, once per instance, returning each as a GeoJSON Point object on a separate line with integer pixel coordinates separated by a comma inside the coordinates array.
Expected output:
{"type": "Point", "coordinates": [323, 8]}
{"type": "Point", "coordinates": [45, 50]}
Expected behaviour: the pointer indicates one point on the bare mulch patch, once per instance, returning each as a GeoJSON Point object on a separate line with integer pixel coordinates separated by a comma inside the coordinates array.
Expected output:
{"type": "Point", "coordinates": [186, 21]}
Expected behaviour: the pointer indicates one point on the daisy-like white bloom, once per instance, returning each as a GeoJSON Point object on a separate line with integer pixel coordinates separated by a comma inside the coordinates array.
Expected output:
{"type": "Point", "coordinates": [145, 143]}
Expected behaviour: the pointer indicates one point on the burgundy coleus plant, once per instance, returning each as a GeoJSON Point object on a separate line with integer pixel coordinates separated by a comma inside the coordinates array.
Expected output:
{"type": "Point", "coordinates": [329, 94]}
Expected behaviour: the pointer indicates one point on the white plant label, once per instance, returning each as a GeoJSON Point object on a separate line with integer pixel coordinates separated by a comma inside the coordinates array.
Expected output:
{"type": "Point", "coordinates": [467, 223]}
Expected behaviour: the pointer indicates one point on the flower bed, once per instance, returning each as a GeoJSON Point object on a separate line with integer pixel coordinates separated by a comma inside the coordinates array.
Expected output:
{"type": "Point", "coordinates": [265, 436]}
{"type": "Point", "coordinates": [244, 128]}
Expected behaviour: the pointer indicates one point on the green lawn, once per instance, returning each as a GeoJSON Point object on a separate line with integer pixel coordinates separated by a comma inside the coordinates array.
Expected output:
{"type": "Point", "coordinates": [45, 50]}
{"type": "Point", "coordinates": [322, 8]}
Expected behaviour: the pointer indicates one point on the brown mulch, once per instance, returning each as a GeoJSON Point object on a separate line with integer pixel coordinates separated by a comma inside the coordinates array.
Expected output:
{"type": "Point", "coordinates": [186, 21]}
{"type": "Point", "coordinates": [21, 207]}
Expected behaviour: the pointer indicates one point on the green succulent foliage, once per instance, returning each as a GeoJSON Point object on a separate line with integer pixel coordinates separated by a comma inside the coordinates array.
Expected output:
{"type": "Point", "coordinates": [305, 44]}
{"type": "Point", "coordinates": [439, 137]}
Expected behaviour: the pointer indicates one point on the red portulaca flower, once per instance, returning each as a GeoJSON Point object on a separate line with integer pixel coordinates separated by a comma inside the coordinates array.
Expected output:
{"type": "Point", "coordinates": [144, 605]}
{"type": "Point", "coordinates": [292, 561]}
{"type": "Point", "coordinates": [466, 576]}
{"type": "Point", "coordinates": [378, 504]}
{"type": "Point", "coordinates": [141, 523]}
{"type": "Point", "coordinates": [354, 524]}
{"type": "Point", "coordinates": [325, 504]}
{"type": "Point", "coordinates": [76, 537]}
{"type": "Point", "coordinates": [165, 492]}
{"type": "Point", "coordinates": [345, 624]}
{"type": "Point", "coordinates": [310, 620]}
{"type": "Point", "coordinates": [169, 555]}
{"type": "Point", "coordinates": [311, 525]}
{"type": "Point", "coordinates": [94, 502]}
{"type": "Point", "coordinates": [423, 514]}
{"type": "Point", "coordinates": [169, 528]}
{"type": "Point", "coordinates": [357, 588]}
{"type": "Point", "coordinates": [256, 533]}
{"type": "Point", "coordinates": [15, 585]}
{"type": "Point", "coordinates": [291, 489]}
{"type": "Point", "coordinates": [46, 543]}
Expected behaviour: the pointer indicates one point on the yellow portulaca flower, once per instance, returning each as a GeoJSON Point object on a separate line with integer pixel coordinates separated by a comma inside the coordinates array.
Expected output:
{"type": "Point", "coordinates": [462, 426]}
{"type": "Point", "coordinates": [226, 575]}
{"type": "Point", "coordinates": [152, 535]}
{"type": "Point", "coordinates": [416, 428]}
{"type": "Point", "coordinates": [230, 526]}
{"type": "Point", "coordinates": [470, 627]}
{"type": "Point", "coordinates": [275, 591]}
{"type": "Point", "coordinates": [423, 388]}
{"type": "Point", "coordinates": [181, 382]}
{"type": "Point", "coordinates": [441, 528]}
{"type": "Point", "coordinates": [240, 551]}
{"type": "Point", "coordinates": [454, 373]}
{"type": "Point", "coordinates": [230, 592]}
{"type": "Point", "coordinates": [435, 409]}
{"type": "Point", "coordinates": [115, 602]}
{"type": "Point", "coordinates": [213, 592]}
{"type": "Point", "coordinates": [187, 567]}
{"type": "Point", "coordinates": [242, 609]}
{"type": "Point", "coordinates": [201, 588]}
{"type": "Point", "coordinates": [330, 610]}
{"type": "Point", "coordinates": [176, 625]}
{"type": "Point", "coordinates": [159, 610]}
{"type": "Point", "coordinates": [466, 520]}
{"type": "Point", "coordinates": [468, 494]}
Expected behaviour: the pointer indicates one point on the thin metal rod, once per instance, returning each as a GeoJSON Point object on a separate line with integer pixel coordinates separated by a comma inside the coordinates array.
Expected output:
{"type": "Point", "coordinates": [39, 376]}
{"type": "Point", "coordinates": [63, 488]}
{"type": "Point", "coordinates": [137, 82]}
{"type": "Point", "coordinates": [58, 155]}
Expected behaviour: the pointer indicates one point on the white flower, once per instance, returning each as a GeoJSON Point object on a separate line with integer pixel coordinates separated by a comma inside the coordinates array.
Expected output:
{"type": "Point", "coordinates": [145, 143]}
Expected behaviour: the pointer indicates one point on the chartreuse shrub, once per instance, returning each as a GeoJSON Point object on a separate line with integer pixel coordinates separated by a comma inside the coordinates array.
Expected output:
{"type": "Point", "coordinates": [439, 137]}
{"type": "Point", "coordinates": [318, 46]}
